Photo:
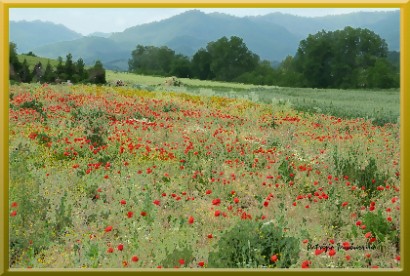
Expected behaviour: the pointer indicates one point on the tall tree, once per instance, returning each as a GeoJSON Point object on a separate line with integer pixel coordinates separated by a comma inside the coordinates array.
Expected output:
{"type": "Point", "coordinates": [230, 58]}
{"type": "Point", "coordinates": [152, 60]}
{"type": "Point", "coordinates": [201, 65]}
{"type": "Point", "coordinates": [339, 59]}
{"type": "Point", "coordinates": [80, 68]}
{"type": "Point", "coordinates": [25, 74]}
{"type": "Point", "coordinates": [48, 75]}
{"type": "Point", "coordinates": [37, 72]}
{"type": "Point", "coordinates": [60, 72]}
{"type": "Point", "coordinates": [96, 74]}
{"type": "Point", "coordinates": [69, 67]}
{"type": "Point", "coordinates": [15, 64]}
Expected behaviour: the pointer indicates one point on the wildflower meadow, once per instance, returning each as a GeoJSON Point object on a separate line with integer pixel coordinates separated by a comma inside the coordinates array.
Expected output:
{"type": "Point", "coordinates": [119, 177]}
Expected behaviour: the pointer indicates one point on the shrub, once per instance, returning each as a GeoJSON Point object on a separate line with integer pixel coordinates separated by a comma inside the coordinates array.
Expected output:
{"type": "Point", "coordinates": [369, 177]}
{"type": "Point", "coordinates": [250, 244]}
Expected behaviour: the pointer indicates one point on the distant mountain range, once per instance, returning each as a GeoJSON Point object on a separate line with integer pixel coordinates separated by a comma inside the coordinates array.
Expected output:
{"type": "Point", "coordinates": [272, 36]}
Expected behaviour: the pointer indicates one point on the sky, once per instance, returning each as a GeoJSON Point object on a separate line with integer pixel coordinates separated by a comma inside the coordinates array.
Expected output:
{"type": "Point", "coordinates": [89, 20]}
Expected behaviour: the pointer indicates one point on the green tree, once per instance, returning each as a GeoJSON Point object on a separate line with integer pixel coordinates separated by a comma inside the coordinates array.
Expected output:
{"type": "Point", "coordinates": [69, 67]}
{"type": "Point", "coordinates": [231, 58]}
{"type": "Point", "coordinates": [339, 59]}
{"type": "Point", "coordinates": [382, 75]}
{"type": "Point", "coordinates": [201, 65]}
{"type": "Point", "coordinates": [37, 72]}
{"type": "Point", "coordinates": [154, 60]}
{"type": "Point", "coordinates": [60, 72]}
{"type": "Point", "coordinates": [181, 67]}
{"type": "Point", "coordinates": [15, 64]}
{"type": "Point", "coordinates": [287, 75]}
{"type": "Point", "coordinates": [96, 74]}
{"type": "Point", "coordinates": [25, 74]}
{"type": "Point", "coordinates": [49, 75]}
{"type": "Point", "coordinates": [313, 60]}
{"type": "Point", "coordinates": [80, 72]}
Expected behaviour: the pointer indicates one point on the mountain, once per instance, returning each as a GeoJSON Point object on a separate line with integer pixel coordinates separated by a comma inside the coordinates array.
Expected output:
{"type": "Point", "coordinates": [385, 24]}
{"type": "Point", "coordinates": [30, 35]}
{"type": "Point", "coordinates": [272, 36]}
{"type": "Point", "coordinates": [100, 34]}
{"type": "Point", "coordinates": [90, 49]}
{"type": "Point", "coordinates": [189, 31]}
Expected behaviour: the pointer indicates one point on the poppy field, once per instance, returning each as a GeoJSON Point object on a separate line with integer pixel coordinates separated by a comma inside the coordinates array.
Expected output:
{"type": "Point", "coordinates": [118, 177]}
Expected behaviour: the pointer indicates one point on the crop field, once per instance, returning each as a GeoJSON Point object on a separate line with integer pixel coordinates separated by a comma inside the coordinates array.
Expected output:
{"type": "Point", "coordinates": [380, 106]}
{"type": "Point", "coordinates": [139, 178]}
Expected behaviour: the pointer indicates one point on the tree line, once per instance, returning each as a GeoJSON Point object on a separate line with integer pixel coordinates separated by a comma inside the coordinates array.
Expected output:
{"type": "Point", "coordinates": [348, 58]}
{"type": "Point", "coordinates": [66, 70]}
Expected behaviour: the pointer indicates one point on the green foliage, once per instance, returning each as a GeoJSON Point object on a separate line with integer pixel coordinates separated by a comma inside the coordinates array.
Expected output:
{"type": "Point", "coordinates": [15, 65]}
{"type": "Point", "coordinates": [370, 177]}
{"type": "Point", "coordinates": [173, 258]}
{"type": "Point", "coordinates": [230, 58]}
{"type": "Point", "coordinates": [377, 224]}
{"type": "Point", "coordinates": [348, 58]}
{"type": "Point", "coordinates": [251, 244]}
{"type": "Point", "coordinates": [64, 70]}
{"type": "Point", "coordinates": [286, 171]}
{"type": "Point", "coordinates": [96, 74]}
{"type": "Point", "coordinates": [94, 122]}
{"type": "Point", "coordinates": [157, 61]}
{"type": "Point", "coordinates": [37, 106]}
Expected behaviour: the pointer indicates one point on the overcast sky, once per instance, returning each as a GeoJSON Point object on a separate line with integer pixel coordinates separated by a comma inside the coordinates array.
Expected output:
{"type": "Point", "coordinates": [86, 21]}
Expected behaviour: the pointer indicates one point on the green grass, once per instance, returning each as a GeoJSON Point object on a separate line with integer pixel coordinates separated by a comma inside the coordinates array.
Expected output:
{"type": "Point", "coordinates": [34, 60]}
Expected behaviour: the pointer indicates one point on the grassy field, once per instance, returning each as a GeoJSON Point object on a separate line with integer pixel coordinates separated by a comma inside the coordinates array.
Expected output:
{"type": "Point", "coordinates": [119, 177]}
{"type": "Point", "coordinates": [381, 106]}
{"type": "Point", "coordinates": [34, 60]}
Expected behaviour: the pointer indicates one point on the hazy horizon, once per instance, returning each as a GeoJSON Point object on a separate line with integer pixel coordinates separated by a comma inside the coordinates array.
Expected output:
{"type": "Point", "coordinates": [77, 19]}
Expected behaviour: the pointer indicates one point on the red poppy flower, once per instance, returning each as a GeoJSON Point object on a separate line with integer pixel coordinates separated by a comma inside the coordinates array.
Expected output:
{"type": "Point", "coordinates": [120, 247]}
{"type": "Point", "coordinates": [236, 200]}
{"type": "Point", "coordinates": [346, 245]}
{"type": "Point", "coordinates": [306, 264]}
{"type": "Point", "coordinates": [216, 201]}
{"type": "Point", "coordinates": [210, 236]}
{"type": "Point", "coordinates": [108, 229]}
{"type": "Point", "coordinates": [332, 252]}
{"type": "Point", "coordinates": [217, 213]}
{"type": "Point", "coordinates": [134, 258]}
{"type": "Point", "coordinates": [181, 262]}
{"type": "Point", "coordinates": [110, 250]}
{"type": "Point", "coordinates": [274, 258]}
{"type": "Point", "coordinates": [191, 219]}
{"type": "Point", "coordinates": [13, 213]}
{"type": "Point", "coordinates": [157, 202]}
{"type": "Point", "coordinates": [130, 214]}
{"type": "Point", "coordinates": [143, 213]}
{"type": "Point", "coordinates": [201, 263]}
